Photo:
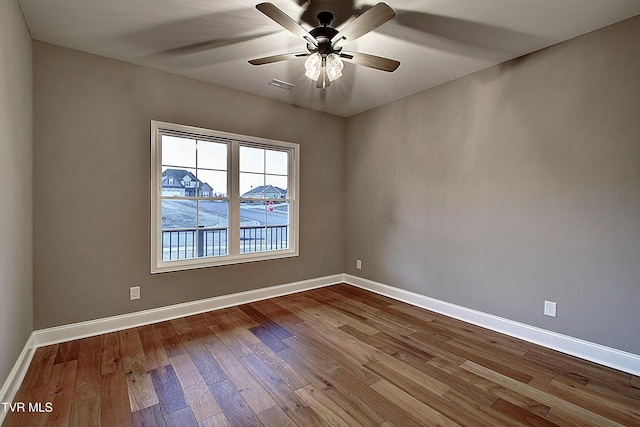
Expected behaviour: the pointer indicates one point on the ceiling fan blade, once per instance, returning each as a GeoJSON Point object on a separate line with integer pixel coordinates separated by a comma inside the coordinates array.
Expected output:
{"type": "Point", "coordinates": [368, 21]}
{"type": "Point", "coordinates": [371, 61]}
{"type": "Point", "coordinates": [278, 58]}
{"type": "Point", "coordinates": [286, 21]}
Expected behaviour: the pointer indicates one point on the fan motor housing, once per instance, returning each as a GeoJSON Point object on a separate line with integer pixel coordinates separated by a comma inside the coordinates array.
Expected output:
{"type": "Point", "coordinates": [324, 36]}
{"type": "Point", "coordinates": [323, 33]}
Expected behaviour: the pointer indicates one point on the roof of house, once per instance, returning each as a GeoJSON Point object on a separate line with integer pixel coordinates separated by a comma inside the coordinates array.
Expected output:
{"type": "Point", "coordinates": [265, 189]}
{"type": "Point", "coordinates": [178, 174]}
{"type": "Point", "coordinates": [166, 184]}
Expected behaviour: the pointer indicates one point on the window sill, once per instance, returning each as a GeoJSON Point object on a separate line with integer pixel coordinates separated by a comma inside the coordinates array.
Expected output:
{"type": "Point", "coordinates": [191, 264]}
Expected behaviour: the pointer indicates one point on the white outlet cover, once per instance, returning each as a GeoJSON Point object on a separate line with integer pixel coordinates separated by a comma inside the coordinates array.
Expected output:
{"type": "Point", "coordinates": [550, 308]}
{"type": "Point", "coordinates": [134, 293]}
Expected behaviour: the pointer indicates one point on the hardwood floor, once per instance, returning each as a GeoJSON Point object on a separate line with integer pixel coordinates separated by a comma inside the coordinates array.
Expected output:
{"type": "Point", "coordinates": [336, 356]}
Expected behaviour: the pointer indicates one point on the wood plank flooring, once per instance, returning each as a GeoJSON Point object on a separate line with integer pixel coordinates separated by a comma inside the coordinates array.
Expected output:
{"type": "Point", "coordinates": [335, 356]}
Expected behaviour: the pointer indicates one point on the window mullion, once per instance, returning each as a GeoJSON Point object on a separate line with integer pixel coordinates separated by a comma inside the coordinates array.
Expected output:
{"type": "Point", "coordinates": [292, 196]}
{"type": "Point", "coordinates": [234, 199]}
{"type": "Point", "coordinates": [196, 235]}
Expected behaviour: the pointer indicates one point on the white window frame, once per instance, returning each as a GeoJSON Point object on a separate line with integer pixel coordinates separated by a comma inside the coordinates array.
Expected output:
{"type": "Point", "coordinates": [234, 256]}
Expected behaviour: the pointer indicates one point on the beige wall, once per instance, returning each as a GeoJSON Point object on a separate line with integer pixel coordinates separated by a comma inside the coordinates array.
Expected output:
{"type": "Point", "coordinates": [91, 197]}
{"type": "Point", "coordinates": [496, 191]}
{"type": "Point", "coordinates": [16, 145]}
{"type": "Point", "coordinates": [510, 186]}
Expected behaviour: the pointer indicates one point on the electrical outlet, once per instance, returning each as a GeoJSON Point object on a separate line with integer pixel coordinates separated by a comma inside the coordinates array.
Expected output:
{"type": "Point", "coordinates": [134, 293]}
{"type": "Point", "coordinates": [359, 264]}
{"type": "Point", "coordinates": [550, 308]}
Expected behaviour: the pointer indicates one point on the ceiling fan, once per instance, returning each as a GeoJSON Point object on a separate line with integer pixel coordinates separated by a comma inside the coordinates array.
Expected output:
{"type": "Point", "coordinates": [324, 43]}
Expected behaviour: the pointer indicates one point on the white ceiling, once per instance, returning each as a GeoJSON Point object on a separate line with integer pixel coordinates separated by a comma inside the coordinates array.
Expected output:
{"type": "Point", "coordinates": [211, 40]}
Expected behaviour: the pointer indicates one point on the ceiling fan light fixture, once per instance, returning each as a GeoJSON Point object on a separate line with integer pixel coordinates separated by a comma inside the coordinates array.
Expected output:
{"type": "Point", "coordinates": [313, 66]}
{"type": "Point", "coordinates": [334, 66]}
{"type": "Point", "coordinates": [324, 43]}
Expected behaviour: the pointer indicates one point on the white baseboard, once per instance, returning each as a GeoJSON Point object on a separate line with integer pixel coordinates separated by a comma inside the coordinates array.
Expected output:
{"type": "Point", "coordinates": [43, 337]}
{"type": "Point", "coordinates": [597, 353]}
{"type": "Point", "coordinates": [130, 320]}
{"type": "Point", "coordinates": [607, 356]}
{"type": "Point", "coordinates": [17, 374]}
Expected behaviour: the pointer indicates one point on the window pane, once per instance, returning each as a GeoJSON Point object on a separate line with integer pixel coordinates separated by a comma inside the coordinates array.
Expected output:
{"type": "Point", "coordinates": [178, 151]}
{"type": "Point", "coordinates": [252, 227]}
{"type": "Point", "coordinates": [178, 229]}
{"type": "Point", "coordinates": [277, 230]}
{"type": "Point", "coordinates": [178, 214]}
{"type": "Point", "coordinates": [251, 185]}
{"type": "Point", "coordinates": [213, 213]}
{"type": "Point", "coordinates": [251, 159]}
{"type": "Point", "coordinates": [264, 226]}
{"type": "Point", "coordinates": [277, 213]}
{"type": "Point", "coordinates": [212, 155]}
{"type": "Point", "coordinates": [277, 162]}
{"type": "Point", "coordinates": [276, 186]}
{"type": "Point", "coordinates": [212, 183]}
{"type": "Point", "coordinates": [213, 222]}
{"type": "Point", "coordinates": [179, 182]}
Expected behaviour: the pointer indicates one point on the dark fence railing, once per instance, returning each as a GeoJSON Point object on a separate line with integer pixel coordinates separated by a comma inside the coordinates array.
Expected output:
{"type": "Point", "coordinates": [204, 242]}
{"type": "Point", "coordinates": [193, 243]}
{"type": "Point", "coordinates": [261, 238]}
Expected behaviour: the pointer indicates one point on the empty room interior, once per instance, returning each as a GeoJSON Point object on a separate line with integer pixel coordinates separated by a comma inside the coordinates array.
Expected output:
{"type": "Point", "coordinates": [456, 216]}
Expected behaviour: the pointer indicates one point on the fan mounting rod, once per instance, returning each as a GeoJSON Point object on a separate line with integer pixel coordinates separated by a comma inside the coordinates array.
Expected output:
{"type": "Point", "coordinates": [325, 18]}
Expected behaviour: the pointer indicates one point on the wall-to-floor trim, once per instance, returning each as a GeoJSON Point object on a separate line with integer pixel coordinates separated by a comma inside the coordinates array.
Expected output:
{"type": "Point", "coordinates": [607, 356]}
{"type": "Point", "coordinates": [43, 337]}
{"type": "Point", "coordinates": [17, 374]}
{"type": "Point", "coordinates": [130, 320]}
{"type": "Point", "coordinates": [597, 353]}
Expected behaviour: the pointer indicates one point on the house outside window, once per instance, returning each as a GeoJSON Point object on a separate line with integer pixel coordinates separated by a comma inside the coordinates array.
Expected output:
{"type": "Point", "coordinates": [220, 198]}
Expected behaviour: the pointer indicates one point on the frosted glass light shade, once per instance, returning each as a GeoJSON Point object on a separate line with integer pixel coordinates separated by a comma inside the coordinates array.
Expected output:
{"type": "Point", "coordinates": [334, 66]}
{"type": "Point", "coordinates": [313, 65]}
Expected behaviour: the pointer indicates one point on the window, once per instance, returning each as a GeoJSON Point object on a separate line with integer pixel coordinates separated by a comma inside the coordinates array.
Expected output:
{"type": "Point", "coordinates": [219, 198]}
